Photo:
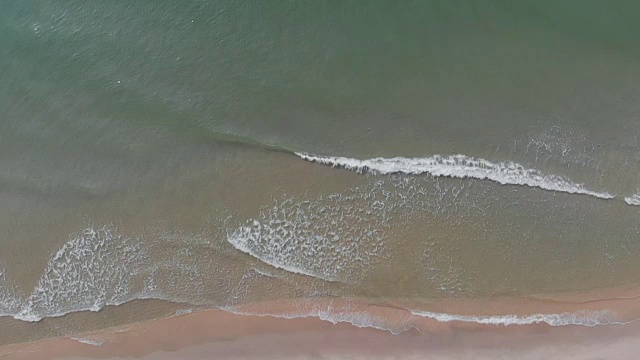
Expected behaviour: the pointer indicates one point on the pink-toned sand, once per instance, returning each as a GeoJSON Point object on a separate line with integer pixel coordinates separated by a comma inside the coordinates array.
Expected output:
{"type": "Point", "coordinates": [215, 334]}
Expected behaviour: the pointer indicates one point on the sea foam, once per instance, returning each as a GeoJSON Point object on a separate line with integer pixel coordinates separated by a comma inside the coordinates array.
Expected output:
{"type": "Point", "coordinates": [459, 166]}
{"type": "Point", "coordinates": [400, 320]}
{"type": "Point", "coordinates": [93, 269]}
{"type": "Point", "coordinates": [88, 341]}
{"type": "Point", "coordinates": [9, 303]}
{"type": "Point", "coordinates": [334, 238]}
{"type": "Point", "coordinates": [333, 313]}
{"type": "Point", "coordinates": [582, 318]}
{"type": "Point", "coordinates": [633, 200]}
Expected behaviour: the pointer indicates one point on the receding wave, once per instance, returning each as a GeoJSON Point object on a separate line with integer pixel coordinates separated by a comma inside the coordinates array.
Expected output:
{"type": "Point", "coordinates": [88, 341]}
{"type": "Point", "coordinates": [582, 318]}
{"type": "Point", "coordinates": [333, 314]}
{"type": "Point", "coordinates": [397, 319]}
{"type": "Point", "coordinates": [245, 238]}
{"type": "Point", "coordinates": [95, 268]}
{"type": "Point", "coordinates": [334, 238]}
{"type": "Point", "coordinates": [459, 166]}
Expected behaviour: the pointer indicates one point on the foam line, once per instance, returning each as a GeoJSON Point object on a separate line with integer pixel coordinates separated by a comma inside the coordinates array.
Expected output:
{"type": "Point", "coordinates": [459, 166]}
{"type": "Point", "coordinates": [633, 200]}
{"type": "Point", "coordinates": [88, 341]}
{"type": "Point", "coordinates": [582, 318]}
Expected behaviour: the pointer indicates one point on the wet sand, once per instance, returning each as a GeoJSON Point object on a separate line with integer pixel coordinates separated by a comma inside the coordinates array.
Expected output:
{"type": "Point", "coordinates": [215, 334]}
{"type": "Point", "coordinates": [221, 335]}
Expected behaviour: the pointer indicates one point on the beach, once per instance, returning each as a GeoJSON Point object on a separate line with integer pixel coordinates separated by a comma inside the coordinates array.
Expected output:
{"type": "Point", "coordinates": [354, 329]}
{"type": "Point", "coordinates": [220, 335]}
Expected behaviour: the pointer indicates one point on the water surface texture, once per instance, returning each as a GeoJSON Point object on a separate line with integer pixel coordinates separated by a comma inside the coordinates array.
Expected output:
{"type": "Point", "coordinates": [218, 153]}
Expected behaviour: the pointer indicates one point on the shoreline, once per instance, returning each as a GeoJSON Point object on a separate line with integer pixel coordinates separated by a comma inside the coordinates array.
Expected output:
{"type": "Point", "coordinates": [223, 335]}
{"type": "Point", "coordinates": [364, 321]}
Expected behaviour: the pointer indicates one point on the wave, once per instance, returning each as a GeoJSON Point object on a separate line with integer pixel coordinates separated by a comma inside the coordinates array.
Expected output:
{"type": "Point", "coordinates": [334, 313]}
{"type": "Point", "coordinates": [582, 318]}
{"type": "Point", "coordinates": [334, 238]}
{"type": "Point", "coordinates": [397, 320]}
{"type": "Point", "coordinates": [633, 200]}
{"type": "Point", "coordinates": [459, 166]}
{"type": "Point", "coordinates": [93, 269]}
{"type": "Point", "coordinates": [246, 238]}
{"type": "Point", "coordinates": [455, 166]}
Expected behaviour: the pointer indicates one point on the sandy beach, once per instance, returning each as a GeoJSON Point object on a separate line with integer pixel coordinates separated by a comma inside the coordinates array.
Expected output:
{"type": "Point", "coordinates": [331, 333]}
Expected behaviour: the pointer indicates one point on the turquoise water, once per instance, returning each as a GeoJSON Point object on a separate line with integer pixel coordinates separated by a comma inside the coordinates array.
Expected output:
{"type": "Point", "coordinates": [160, 147]}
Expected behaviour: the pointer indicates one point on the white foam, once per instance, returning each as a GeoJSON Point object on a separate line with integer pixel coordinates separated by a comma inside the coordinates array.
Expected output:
{"type": "Point", "coordinates": [460, 166]}
{"type": "Point", "coordinates": [245, 238]}
{"type": "Point", "coordinates": [344, 313]}
{"type": "Point", "coordinates": [582, 318]}
{"type": "Point", "coordinates": [333, 238]}
{"type": "Point", "coordinates": [183, 311]}
{"type": "Point", "coordinates": [91, 270]}
{"type": "Point", "coordinates": [88, 341]}
{"type": "Point", "coordinates": [633, 200]}
{"type": "Point", "coordinates": [8, 300]}
{"type": "Point", "coordinates": [96, 268]}
{"type": "Point", "coordinates": [333, 314]}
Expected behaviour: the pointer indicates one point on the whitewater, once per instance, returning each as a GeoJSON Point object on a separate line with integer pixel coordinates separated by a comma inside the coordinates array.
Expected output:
{"type": "Point", "coordinates": [459, 166]}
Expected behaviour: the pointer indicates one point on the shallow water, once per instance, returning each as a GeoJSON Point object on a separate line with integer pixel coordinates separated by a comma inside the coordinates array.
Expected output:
{"type": "Point", "coordinates": [220, 153]}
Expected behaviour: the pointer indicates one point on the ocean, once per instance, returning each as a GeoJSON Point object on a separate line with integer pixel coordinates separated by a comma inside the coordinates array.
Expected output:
{"type": "Point", "coordinates": [162, 156]}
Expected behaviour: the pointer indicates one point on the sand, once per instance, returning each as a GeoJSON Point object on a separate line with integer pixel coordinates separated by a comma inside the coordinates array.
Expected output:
{"type": "Point", "coordinates": [220, 335]}
{"type": "Point", "coordinates": [216, 334]}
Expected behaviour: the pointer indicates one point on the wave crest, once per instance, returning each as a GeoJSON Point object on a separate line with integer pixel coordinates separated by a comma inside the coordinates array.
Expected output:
{"type": "Point", "coordinates": [459, 166]}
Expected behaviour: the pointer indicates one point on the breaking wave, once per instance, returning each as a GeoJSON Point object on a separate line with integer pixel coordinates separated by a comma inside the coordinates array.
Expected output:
{"type": "Point", "coordinates": [460, 166]}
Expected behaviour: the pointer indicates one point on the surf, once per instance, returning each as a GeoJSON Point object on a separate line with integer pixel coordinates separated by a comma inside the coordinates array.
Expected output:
{"type": "Point", "coordinates": [581, 318]}
{"type": "Point", "coordinates": [633, 200]}
{"type": "Point", "coordinates": [459, 166]}
{"type": "Point", "coordinates": [398, 319]}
